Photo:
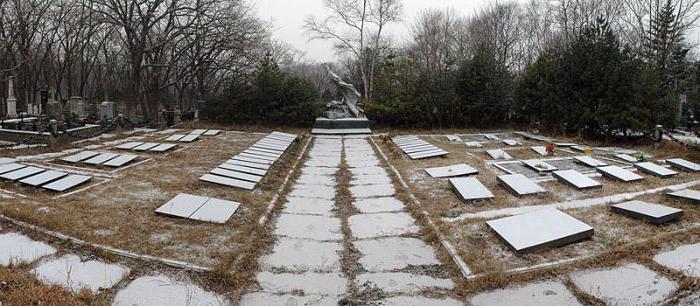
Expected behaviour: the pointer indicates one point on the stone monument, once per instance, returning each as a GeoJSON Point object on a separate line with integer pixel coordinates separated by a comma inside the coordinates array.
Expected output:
{"type": "Point", "coordinates": [11, 100]}
{"type": "Point", "coordinates": [53, 107]}
{"type": "Point", "coordinates": [107, 110]}
{"type": "Point", "coordinates": [346, 116]}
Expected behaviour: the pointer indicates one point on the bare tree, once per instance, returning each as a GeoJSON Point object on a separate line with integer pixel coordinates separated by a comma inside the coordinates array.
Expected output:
{"type": "Point", "coordinates": [357, 27]}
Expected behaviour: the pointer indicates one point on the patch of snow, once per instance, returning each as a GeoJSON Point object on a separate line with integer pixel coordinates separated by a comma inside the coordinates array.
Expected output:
{"type": "Point", "coordinates": [406, 283]}
{"type": "Point", "coordinates": [419, 301]}
{"type": "Point", "coordinates": [378, 205]}
{"type": "Point", "coordinates": [371, 191]}
{"type": "Point", "coordinates": [309, 283]}
{"type": "Point", "coordinates": [391, 253]}
{"type": "Point", "coordinates": [16, 248]}
{"type": "Point", "coordinates": [300, 255]}
{"type": "Point", "coordinates": [71, 272]}
{"type": "Point", "coordinates": [684, 258]}
{"type": "Point", "coordinates": [381, 225]}
{"type": "Point", "coordinates": [309, 227]}
{"type": "Point", "coordinates": [262, 298]}
{"type": "Point", "coordinates": [163, 290]}
{"type": "Point", "coordinates": [542, 293]}
{"type": "Point", "coordinates": [631, 284]}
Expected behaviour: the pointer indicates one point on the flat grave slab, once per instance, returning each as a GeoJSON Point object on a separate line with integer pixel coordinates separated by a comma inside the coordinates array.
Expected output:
{"type": "Point", "coordinates": [692, 196]}
{"type": "Point", "coordinates": [189, 138]}
{"type": "Point", "coordinates": [198, 132]}
{"type": "Point", "coordinates": [239, 162]}
{"type": "Point", "coordinates": [376, 225]}
{"type": "Point", "coordinates": [519, 184]}
{"type": "Point", "coordinates": [452, 171]}
{"type": "Point", "coordinates": [269, 148]}
{"type": "Point", "coordinates": [473, 144]}
{"type": "Point", "coordinates": [259, 152]}
{"type": "Point", "coordinates": [175, 137]}
{"type": "Point", "coordinates": [631, 284]}
{"type": "Point", "coordinates": [215, 211]}
{"type": "Point", "coordinates": [539, 165]}
{"type": "Point", "coordinates": [183, 205]}
{"type": "Point", "coordinates": [654, 213]}
{"type": "Point", "coordinates": [541, 150]}
{"type": "Point", "coordinates": [120, 161]}
{"type": "Point", "coordinates": [421, 148]}
{"type": "Point", "coordinates": [237, 175]}
{"type": "Point", "coordinates": [128, 145]}
{"type": "Point", "coordinates": [257, 156]}
{"type": "Point", "coordinates": [590, 161]}
{"type": "Point", "coordinates": [100, 159]}
{"type": "Point", "coordinates": [10, 167]}
{"type": "Point", "coordinates": [498, 154]}
{"type": "Point", "coordinates": [576, 179]}
{"type": "Point", "coordinates": [377, 205]}
{"type": "Point", "coordinates": [372, 191]}
{"type": "Point", "coordinates": [684, 165]}
{"type": "Point", "coordinates": [16, 249]}
{"type": "Point", "coordinates": [511, 142]}
{"type": "Point", "coordinates": [428, 154]}
{"type": "Point", "coordinates": [401, 282]}
{"type": "Point", "coordinates": [578, 148]}
{"type": "Point", "coordinates": [541, 293]}
{"type": "Point", "coordinates": [302, 255]}
{"type": "Point", "coordinates": [538, 230]}
{"type": "Point", "coordinates": [70, 271]}
{"type": "Point", "coordinates": [626, 157]}
{"type": "Point", "coordinates": [67, 182]}
{"type": "Point", "coordinates": [491, 137]}
{"type": "Point", "coordinates": [212, 132]}
{"type": "Point", "coordinates": [164, 147]}
{"type": "Point", "coordinates": [565, 144]}
{"type": "Point", "coordinates": [229, 182]}
{"type": "Point", "coordinates": [655, 170]}
{"type": "Point", "coordinates": [243, 169]}
{"type": "Point", "coordinates": [470, 189]}
{"type": "Point", "coordinates": [43, 178]}
{"type": "Point", "coordinates": [453, 138]}
{"type": "Point", "coordinates": [146, 146]}
{"type": "Point", "coordinates": [80, 156]}
{"type": "Point", "coordinates": [310, 283]}
{"type": "Point", "coordinates": [7, 160]}
{"type": "Point", "coordinates": [163, 290]}
{"type": "Point", "coordinates": [685, 258]}
{"type": "Point", "coordinates": [616, 172]}
{"type": "Point", "coordinates": [309, 227]}
{"type": "Point", "coordinates": [391, 253]}
{"type": "Point", "coordinates": [22, 173]}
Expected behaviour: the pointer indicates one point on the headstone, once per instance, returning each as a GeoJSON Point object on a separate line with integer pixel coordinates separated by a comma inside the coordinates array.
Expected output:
{"type": "Point", "coordinates": [229, 182]}
{"type": "Point", "coordinates": [540, 150]}
{"type": "Point", "coordinates": [626, 157]}
{"type": "Point", "coordinates": [519, 184]}
{"type": "Point", "coordinates": [498, 154]}
{"type": "Point", "coordinates": [511, 142]}
{"type": "Point", "coordinates": [428, 154]}
{"type": "Point", "coordinates": [654, 213]}
{"type": "Point", "coordinates": [539, 165]}
{"type": "Point", "coordinates": [547, 228]}
{"type": "Point", "coordinates": [656, 170]}
{"type": "Point", "coordinates": [576, 179]}
{"type": "Point", "coordinates": [590, 161]}
{"type": "Point", "coordinates": [684, 165]}
{"type": "Point", "coordinates": [67, 182]}
{"type": "Point", "coordinates": [54, 108]}
{"type": "Point", "coordinates": [630, 284]}
{"type": "Point", "coordinates": [21, 173]}
{"type": "Point", "coordinates": [107, 110]}
{"type": "Point", "coordinates": [685, 258]}
{"type": "Point", "coordinates": [454, 138]}
{"type": "Point", "coordinates": [692, 196]}
{"type": "Point", "coordinates": [470, 189]}
{"type": "Point", "coordinates": [11, 100]}
{"type": "Point", "coordinates": [618, 173]}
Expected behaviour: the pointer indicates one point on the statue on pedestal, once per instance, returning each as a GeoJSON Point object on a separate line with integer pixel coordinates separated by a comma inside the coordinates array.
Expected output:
{"type": "Point", "coordinates": [349, 105]}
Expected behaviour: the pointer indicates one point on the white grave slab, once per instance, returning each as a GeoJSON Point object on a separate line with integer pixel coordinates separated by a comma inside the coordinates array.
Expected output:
{"type": "Point", "coordinates": [684, 165]}
{"type": "Point", "coordinates": [215, 211]}
{"type": "Point", "coordinates": [198, 132]}
{"type": "Point", "coordinates": [391, 253]}
{"type": "Point", "coordinates": [376, 225]}
{"type": "Point", "coordinates": [229, 182]}
{"type": "Point", "coordinates": [212, 132]}
{"type": "Point", "coordinates": [163, 147]}
{"type": "Point", "coordinates": [452, 171]}
{"type": "Point", "coordinates": [618, 173]}
{"type": "Point", "coordinates": [511, 142]}
{"type": "Point", "coordinates": [100, 159]}
{"type": "Point", "coordinates": [163, 290]}
{"type": "Point", "coordinates": [540, 293]}
{"type": "Point", "coordinates": [271, 151]}
{"type": "Point", "coordinates": [237, 175]}
{"type": "Point", "coordinates": [579, 148]}
{"type": "Point", "coordinates": [534, 231]}
{"type": "Point", "coordinates": [685, 258]}
{"type": "Point", "coordinates": [421, 148]}
{"type": "Point", "coordinates": [654, 213]}
{"type": "Point", "coordinates": [80, 156]}
{"type": "Point", "coordinates": [243, 169]}
{"type": "Point", "coordinates": [10, 167]}
{"type": "Point", "coordinates": [7, 160]}
{"type": "Point", "coordinates": [656, 170]}
{"type": "Point", "coordinates": [67, 182]}
{"type": "Point", "coordinates": [473, 144]}
{"type": "Point", "coordinates": [239, 162]}
{"type": "Point", "coordinates": [491, 137]}
{"type": "Point", "coordinates": [453, 138]}
{"type": "Point", "coordinates": [43, 178]}
{"type": "Point", "coordinates": [128, 145]}
{"type": "Point", "coordinates": [73, 273]}
{"type": "Point", "coordinates": [519, 184]}
{"type": "Point", "coordinates": [258, 156]}
{"type": "Point", "coordinates": [146, 146]}
{"type": "Point", "coordinates": [183, 205]}
{"type": "Point", "coordinates": [302, 255]}
{"type": "Point", "coordinates": [576, 179]}
{"type": "Point", "coordinates": [175, 137]}
{"type": "Point", "coordinates": [539, 165]}
{"type": "Point", "coordinates": [470, 189]}
{"type": "Point", "coordinates": [428, 154]}
{"type": "Point", "coordinates": [631, 284]}
{"type": "Point", "coordinates": [16, 249]}
{"type": "Point", "coordinates": [189, 138]}
{"type": "Point", "coordinates": [541, 150]}
{"type": "Point", "coordinates": [693, 196]}
{"type": "Point", "coordinates": [498, 154]}
{"type": "Point", "coordinates": [22, 173]}
{"type": "Point", "coordinates": [120, 161]}
{"type": "Point", "coordinates": [590, 161]}
{"type": "Point", "coordinates": [626, 157]}
{"type": "Point", "coordinates": [257, 152]}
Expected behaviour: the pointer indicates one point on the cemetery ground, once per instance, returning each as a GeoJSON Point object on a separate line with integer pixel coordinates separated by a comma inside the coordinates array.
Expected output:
{"type": "Point", "coordinates": [238, 262]}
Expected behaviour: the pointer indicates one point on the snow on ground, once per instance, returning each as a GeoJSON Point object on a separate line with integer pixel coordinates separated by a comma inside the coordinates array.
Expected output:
{"type": "Point", "coordinates": [73, 273]}
{"type": "Point", "coordinates": [163, 290]}
{"type": "Point", "coordinates": [16, 248]}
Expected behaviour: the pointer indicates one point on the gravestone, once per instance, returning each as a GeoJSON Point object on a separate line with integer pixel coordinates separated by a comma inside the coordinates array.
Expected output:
{"type": "Point", "coordinates": [107, 110]}
{"type": "Point", "coordinates": [346, 116]}
{"type": "Point", "coordinates": [54, 108]}
{"type": "Point", "coordinates": [654, 213]}
{"type": "Point", "coordinates": [11, 100]}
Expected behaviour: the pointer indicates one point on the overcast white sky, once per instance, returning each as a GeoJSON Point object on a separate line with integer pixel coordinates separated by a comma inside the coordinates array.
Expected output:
{"type": "Point", "coordinates": [288, 16]}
